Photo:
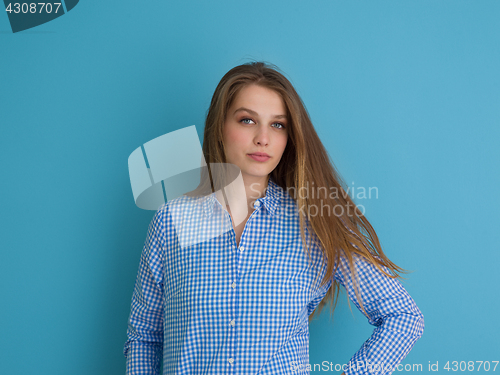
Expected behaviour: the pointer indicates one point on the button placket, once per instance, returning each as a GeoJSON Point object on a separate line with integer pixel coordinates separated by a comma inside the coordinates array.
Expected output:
{"type": "Point", "coordinates": [242, 248]}
{"type": "Point", "coordinates": [234, 308]}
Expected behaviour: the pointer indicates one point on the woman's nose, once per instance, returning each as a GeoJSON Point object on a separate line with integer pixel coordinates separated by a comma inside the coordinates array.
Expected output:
{"type": "Point", "coordinates": [262, 136]}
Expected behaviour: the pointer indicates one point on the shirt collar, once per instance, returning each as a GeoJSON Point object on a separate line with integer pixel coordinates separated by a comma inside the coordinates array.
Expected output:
{"type": "Point", "coordinates": [271, 200]}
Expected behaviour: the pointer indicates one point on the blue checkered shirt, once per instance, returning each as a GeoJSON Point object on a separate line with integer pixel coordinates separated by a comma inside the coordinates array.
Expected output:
{"type": "Point", "coordinates": [204, 305]}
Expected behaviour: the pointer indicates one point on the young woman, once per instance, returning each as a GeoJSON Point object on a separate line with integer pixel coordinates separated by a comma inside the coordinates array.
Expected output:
{"type": "Point", "coordinates": [236, 298]}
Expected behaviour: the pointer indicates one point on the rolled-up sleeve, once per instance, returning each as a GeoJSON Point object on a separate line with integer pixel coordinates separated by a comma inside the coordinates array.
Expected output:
{"type": "Point", "coordinates": [143, 348]}
{"type": "Point", "coordinates": [398, 321]}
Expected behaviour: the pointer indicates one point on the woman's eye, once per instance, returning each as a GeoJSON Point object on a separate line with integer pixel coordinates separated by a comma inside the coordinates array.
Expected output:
{"type": "Point", "coordinates": [245, 120]}
{"type": "Point", "coordinates": [280, 124]}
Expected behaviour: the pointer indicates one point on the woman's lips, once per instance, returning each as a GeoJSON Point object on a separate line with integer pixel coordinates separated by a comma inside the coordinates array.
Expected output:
{"type": "Point", "coordinates": [259, 157]}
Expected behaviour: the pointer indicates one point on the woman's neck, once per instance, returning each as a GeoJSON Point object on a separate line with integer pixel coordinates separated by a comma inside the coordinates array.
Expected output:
{"type": "Point", "coordinates": [251, 188]}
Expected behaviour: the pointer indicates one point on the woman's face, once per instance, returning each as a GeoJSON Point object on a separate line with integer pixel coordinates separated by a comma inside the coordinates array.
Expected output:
{"type": "Point", "coordinates": [256, 122]}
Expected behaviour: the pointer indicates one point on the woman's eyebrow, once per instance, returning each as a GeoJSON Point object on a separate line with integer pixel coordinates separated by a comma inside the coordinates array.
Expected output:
{"type": "Point", "coordinates": [253, 113]}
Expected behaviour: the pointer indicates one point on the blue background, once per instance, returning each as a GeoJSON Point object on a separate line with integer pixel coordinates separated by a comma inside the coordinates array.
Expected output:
{"type": "Point", "coordinates": [404, 94]}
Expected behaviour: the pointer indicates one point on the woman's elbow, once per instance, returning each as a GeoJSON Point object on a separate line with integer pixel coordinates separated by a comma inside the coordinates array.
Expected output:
{"type": "Point", "coordinates": [419, 324]}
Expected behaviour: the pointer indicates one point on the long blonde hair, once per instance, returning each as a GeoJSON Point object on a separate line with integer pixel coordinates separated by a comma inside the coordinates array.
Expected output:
{"type": "Point", "coordinates": [305, 161]}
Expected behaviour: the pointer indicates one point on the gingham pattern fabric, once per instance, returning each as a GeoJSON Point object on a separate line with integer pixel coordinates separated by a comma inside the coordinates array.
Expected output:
{"type": "Point", "coordinates": [207, 306]}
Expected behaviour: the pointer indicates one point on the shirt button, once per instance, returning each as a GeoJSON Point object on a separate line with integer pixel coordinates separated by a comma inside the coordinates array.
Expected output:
{"type": "Point", "coordinates": [233, 323]}
{"type": "Point", "coordinates": [242, 249]}
{"type": "Point", "coordinates": [233, 285]}
{"type": "Point", "coordinates": [231, 360]}
{"type": "Point", "coordinates": [256, 204]}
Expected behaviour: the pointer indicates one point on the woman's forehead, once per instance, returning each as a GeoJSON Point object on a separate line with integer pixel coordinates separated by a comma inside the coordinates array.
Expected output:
{"type": "Point", "coordinates": [251, 98]}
